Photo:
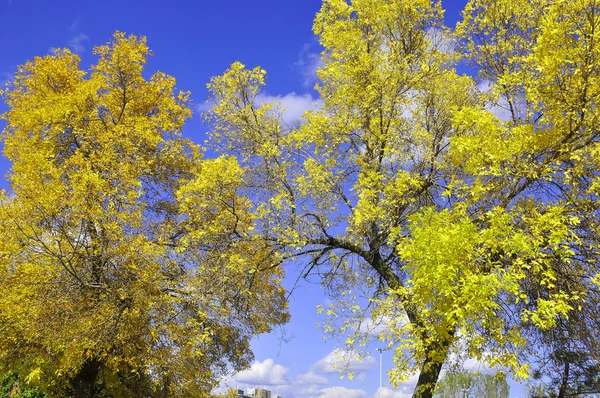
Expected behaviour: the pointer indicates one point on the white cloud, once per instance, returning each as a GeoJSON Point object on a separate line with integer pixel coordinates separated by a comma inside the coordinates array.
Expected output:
{"type": "Point", "coordinates": [310, 390]}
{"type": "Point", "coordinates": [476, 365]}
{"type": "Point", "coordinates": [293, 105]}
{"type": "Point", "coordinates": [378, 326]}
{"type": "Point", "coordinates": [76, 42]}
{"type": "Point", "coordinates": [501, 109]}
{"type": "Point", "coordinates": [405, 389]}
{"type": "Point", "coordinates": [441, 40]}
{"type": "Point", "coordinates": [460, 359]}
{"type": "Point", "coordinates": [409, 383]}
{"type": "Point", "coordinates": [266, 373]}
{"type": "Point", "coordinates": [312, 384]}
{"type": "Point", "coordinates": [305, 385]}
{"type": "Point", "coordinates": [75, 24]}
{"type": "Point", "coordinates": [389, 392]}
{"type": "Point", "coordinates": [337, 392]}
{"type": "Point", "coordinates": [373, 327]}
{"type": "Point", "coordinates": [340, 361]}
{"type": "Point", "coordinates": [307, 64]}
{"type": "Point", "coordinates": [310, 377]}
{"type": "Point", "coordinates": [204, 107]}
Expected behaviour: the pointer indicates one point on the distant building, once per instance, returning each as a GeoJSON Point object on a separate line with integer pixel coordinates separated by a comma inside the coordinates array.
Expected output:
{"type": "Point", "coordinates": [258, 393]}
{"type": "Point", "coordinates": [262, 393]}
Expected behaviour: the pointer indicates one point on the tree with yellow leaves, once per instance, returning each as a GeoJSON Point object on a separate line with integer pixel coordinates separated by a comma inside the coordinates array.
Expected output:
{"type": "Point", "coordinates": [126, 264]}
{"type": "Point", "coordinates": [443, 215]}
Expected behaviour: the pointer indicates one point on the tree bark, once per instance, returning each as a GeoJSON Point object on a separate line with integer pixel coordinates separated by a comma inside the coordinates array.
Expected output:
{"type": "Point", "coordinates": [435, 358]}
{"type": "Point", "coordinates": [562, 392]}
{"type": "Point", "coordinates": [84, 380]}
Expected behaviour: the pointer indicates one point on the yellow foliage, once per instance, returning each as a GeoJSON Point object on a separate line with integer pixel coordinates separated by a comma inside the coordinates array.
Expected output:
{"type": "Point", "coordinates": [121, 248]}
{"type": "Point", "coordinates": [440, 212]}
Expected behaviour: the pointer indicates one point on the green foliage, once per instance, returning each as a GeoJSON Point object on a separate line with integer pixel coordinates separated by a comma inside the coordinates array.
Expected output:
{"type": "Point", "coordinates": [11, 386]}
{"type": "Point", "coordinates": [472, 385]}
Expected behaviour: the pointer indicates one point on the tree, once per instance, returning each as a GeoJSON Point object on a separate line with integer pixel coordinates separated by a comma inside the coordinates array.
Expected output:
{"type": "Point", "coordinates": [540, 389]}
{"type": "Point", "coordinates": [12, 387]}
{"type": "Point", "coordinates": [126, 263]}
{"type": "Point", "coordinates": [560, 59]}
{"type": "Point", "coordinates": [231, 393]}
{"type": "Point", "coordinates": [568, 363]}
{"type": "Point", "coordinates": [454, 213]}
{"type": "Point", "coordinates": [470, 384]}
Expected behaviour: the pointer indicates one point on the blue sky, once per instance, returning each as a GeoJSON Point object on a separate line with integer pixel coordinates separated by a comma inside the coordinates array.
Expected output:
{"type": "Point", "coordinates": [192, 41]}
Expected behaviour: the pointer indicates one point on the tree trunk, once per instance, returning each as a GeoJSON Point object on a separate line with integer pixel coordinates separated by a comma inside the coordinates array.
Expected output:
{"type": "Point", "coordinates": [83, 382]}
{"type": "Point", "coordinates": [562, 392]}
{"type": "Point", "coordinates": [430, 371]}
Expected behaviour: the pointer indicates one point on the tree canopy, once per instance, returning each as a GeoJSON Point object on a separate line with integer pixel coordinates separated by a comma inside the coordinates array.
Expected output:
{"type": "Point", "coordinates": [447, 214]}
{"type": "Point", "coordinates": [458, 212]}
{"type": "Point", "coordinates": [469, 384]}
{"type": "Point", "coordinates": [126, 264]}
